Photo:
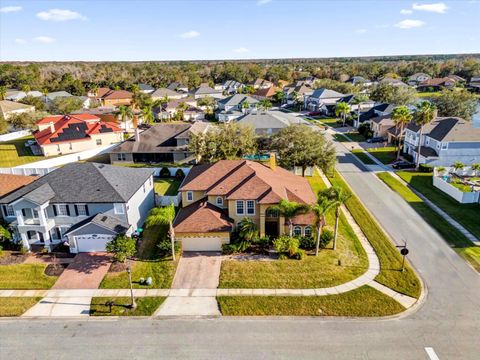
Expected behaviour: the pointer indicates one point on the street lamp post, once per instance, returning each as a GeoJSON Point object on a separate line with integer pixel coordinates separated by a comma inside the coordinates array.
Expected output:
{"type": "Point", "coordinates": [133, 304]}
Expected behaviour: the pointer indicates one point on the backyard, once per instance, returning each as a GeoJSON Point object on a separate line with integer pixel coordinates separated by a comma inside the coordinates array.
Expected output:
{"type": "Point", "coordinates": [14, 153]}
{"type": "Point", "coordinates": [166, 186]}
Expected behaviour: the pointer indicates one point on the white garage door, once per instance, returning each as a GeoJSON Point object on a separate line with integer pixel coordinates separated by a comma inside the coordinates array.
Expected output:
{"type": "Point", "coordinates": [92, 242]}
{"type": "Point", "coordinates": [202, 243]}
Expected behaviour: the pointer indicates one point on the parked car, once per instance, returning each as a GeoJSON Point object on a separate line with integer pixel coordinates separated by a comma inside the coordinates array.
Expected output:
{"type": "Point", "coordinates": [376, 139]}
{"type": "Point", "coordinates": [315, 113]}
{"type": "Point", "coordinates": [403, 165]}
{"type": "Point", "coordinates": [29, 143]}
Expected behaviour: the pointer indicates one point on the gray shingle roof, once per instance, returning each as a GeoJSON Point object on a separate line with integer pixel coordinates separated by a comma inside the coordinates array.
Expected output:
{"type": "Point", "coordinates": [271, 120]}
{"type": "Point", "coordinates": [108, 222]}
{"type": "Point", "coordinates": [84, 183]}
{"type": "Point", "coordinates": [323, 93]}
{"type": "Point", "coordinates": [236, 99]}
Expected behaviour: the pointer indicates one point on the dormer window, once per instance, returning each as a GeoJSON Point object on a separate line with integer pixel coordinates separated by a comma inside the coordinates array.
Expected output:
{"type": "Point", "coordinates": [219, 201]}
{"type": "Point", "coordinates": [189, 195]}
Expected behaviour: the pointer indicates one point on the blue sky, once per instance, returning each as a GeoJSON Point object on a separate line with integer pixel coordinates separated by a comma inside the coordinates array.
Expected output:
{"type": "Point", "coordinates": [216, 29]}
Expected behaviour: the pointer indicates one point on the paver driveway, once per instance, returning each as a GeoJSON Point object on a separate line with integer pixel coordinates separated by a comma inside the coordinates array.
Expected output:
{"type": "Point", "coordinates": [85, 272]}
{"type": "Point", "coordinates": [198, 270]}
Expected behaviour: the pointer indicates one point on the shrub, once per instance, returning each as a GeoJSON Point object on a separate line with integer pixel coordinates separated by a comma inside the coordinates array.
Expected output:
{"type": "Point", "coordinates": [286, 245]}
{"type": "Point", "coordinates": [300, 254]}
{"type": "Point", "coordinates": [425, 168]}
{"type": "Point", "coordinates": [229, 249]}
{"type": "Point", "coordinates": [165, 247]}
{"type": "Point", "coordinates": [179, 174]}
{"type": "Point", "coordinates": [164, 172]}
{"type": "Point", "coordinates": [263, 242]}
{"type": "Point", "coordinates": [122, 247]}
{"type": "Point", "coordinates": [307, 242]}
{"type": "Point", "coordinates": [363, 129]}
{"type": "Point", "coordinates": [326, 237]}
{"type": "Point", "coordinates": [1, 250]}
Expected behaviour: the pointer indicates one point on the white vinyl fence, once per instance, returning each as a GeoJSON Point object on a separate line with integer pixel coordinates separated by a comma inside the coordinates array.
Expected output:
{"type": "Point", "coordinates": [26, 171]}
{"type": "Point", "coordinates": [167, 200]}
{"type": "Point", "coordinates": [15, 135]}
{"type": "Point", "coordinates": [173, 170]}
{"type": "Point", "coordinates": [462, 197]}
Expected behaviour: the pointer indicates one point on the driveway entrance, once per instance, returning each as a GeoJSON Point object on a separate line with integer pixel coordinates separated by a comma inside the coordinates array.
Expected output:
{"type": "Point", "coordinates": [198, 270]}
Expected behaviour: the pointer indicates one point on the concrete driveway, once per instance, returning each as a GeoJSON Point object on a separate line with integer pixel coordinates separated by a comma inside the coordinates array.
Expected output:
{"type": "Point", "coordinates": [85, 272]}
{"type": "Point", "coordinates": [198, 270]}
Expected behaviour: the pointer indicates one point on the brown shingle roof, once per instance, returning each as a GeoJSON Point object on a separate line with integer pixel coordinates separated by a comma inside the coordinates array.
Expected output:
{"type": "Point", "coordinates": [202, 217]}
{"type": "Point", "coordinates": [9, 183]}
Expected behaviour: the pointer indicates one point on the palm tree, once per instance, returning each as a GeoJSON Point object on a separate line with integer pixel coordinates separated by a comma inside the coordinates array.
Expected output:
{"type": "Point", "coordinates": [3, 92]}
{"type": "Point", "coordinates": [401, 116]}
{"type": "Point", "coordinates": [125, 113]}
{"type": "Point", "coordinates": [164, 216]}
{"type": "Point", "coordinates": [265, 104]}
{"type": "Point", "coordinates": [440, 170]}
{"type": "Point", "coordinates": [475, 168]}
{"type": "Point", "coordinates": [320, 209]}
{"type": "Point", "coordinates": [147, 114]}
{"type": "Point", "coordinates": [338, 196]}
{"type": "Point", "coordinates": [295, 97]}
{"type": "Point", "coordinates": [45, 94]}
{"type": "Point", "coordinates": [359, 100]}
{"type": "Point", "coordinates": [342, 109]}
{"type": "Point", "coordinates": [26, 89]}
{"type": "Point", "coordinates": [135, 88]}
{"type": "Point", "coordinates": [458, 165]}
{"type": "Point", "coordinates": [245, 106]}
{"type": "Point", "coordinates": [290, 209]}
{"type": "Point", "coordinates": [247, 229]}
{"type": "Point", "coordinates": [425, 113]}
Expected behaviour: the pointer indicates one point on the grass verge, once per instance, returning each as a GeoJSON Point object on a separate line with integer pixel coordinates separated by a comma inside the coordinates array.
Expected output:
{"type": "Point", "coordinates": [460, 243]}
{"type": "Point", "coordinates": [25, 276]}
{"type": "Point", "coordinates": [390, 275]}
{"type": "Point", "coordinates": [465, 214]}
{"type": "Point", "coordinates": [364, 301]}
{"type": "Point", "coordinates": [146, 306]}
{"type": "Point", "coordinates": [364, 158]}
{"type": "Point", "coordinates": [385, 155]}
{"type": "Point", "coordinates": [16, 306]}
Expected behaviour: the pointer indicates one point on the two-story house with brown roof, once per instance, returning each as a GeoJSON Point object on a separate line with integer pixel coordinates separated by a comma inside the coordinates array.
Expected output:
{"type": "Point", "coordinates": [216, 197]}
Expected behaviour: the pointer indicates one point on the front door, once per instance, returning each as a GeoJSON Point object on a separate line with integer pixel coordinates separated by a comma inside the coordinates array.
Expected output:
{"type": "Point", "coordinates": [271, 228]}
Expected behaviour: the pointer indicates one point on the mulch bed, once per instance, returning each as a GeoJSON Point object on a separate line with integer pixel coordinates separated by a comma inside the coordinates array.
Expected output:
{"type": "Point", "coordinates": [12, 258]}
{"type": "Point", "coordinates": [55, 269]}
{"type": "Point", "coordinates": [117, 267]}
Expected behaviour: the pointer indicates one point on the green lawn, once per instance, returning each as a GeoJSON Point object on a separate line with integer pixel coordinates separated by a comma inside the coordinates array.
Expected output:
{"type": "Point", "coordinates": [364, 301]}
{"type": "Point", "coordinates": [390, 259]}
{"type": "Point", "coordinates": [332, 122]}
{"type": "Point", "coordinates": [466, 214]}
{"type": "Point", "coordinates": [16, 306]}
{"type": "Point", "coordinates": [146, 306]}
{"type": "Point", "coordinates": [363, 157]}
{"type": "Point", "coordinates": [25, 276]}
{"type": "Point", "coordinates": [355, 136]}
{"type": "Point", "coordinates": [14, 153]}
{"type": "Point", "coordinates": [428, 94]}
{"type": "Point", "coordinates": [454, 237]}
{"type": "Point", "coordinates": [385, 155]}
{"type": "Point", "coordinates": [312, 272]}
{"type": "Point", "coordinates": [166, 186]}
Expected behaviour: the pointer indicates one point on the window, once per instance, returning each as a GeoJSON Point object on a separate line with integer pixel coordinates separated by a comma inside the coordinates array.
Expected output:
{"type": "Point", "coordinates": [444, 145]}
{"type": "Point", "coordinates": [62, 210]}
{"type": "Point", "coordinates": [240, 207]}
{"type": "Point", "coordinates": [272, 213]}
{"type": "Point", "coordinates": [219, 201]}
{"type": "Point", "coordinates": [143, 188]}
{"type": "Point", "coordinates": [250, 207]}
{"type": "Point", "coordinates": [34, 213]}
{"type": "Point", "coordinates": [189, 196]}
{"type": "Point", "coordinates": [121, 157]}
{"type": "Point", "coordinates": [297, 231]}
{"type": "Point", "coordinates": [118, 209]}
{"type": "Point", "coordinates": [82, 210]}
{"type": "Point", "coordinates": [10, 211]}
{"type": "Point", "coordinates": [98, 141]}
{"type": "Point", "coordinates": [308, 231]}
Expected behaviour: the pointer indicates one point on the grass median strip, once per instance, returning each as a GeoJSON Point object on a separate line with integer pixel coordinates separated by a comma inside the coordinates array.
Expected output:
{"type": "Point", "coordinates": [25, 276]}
{"type": "Point", "coordinates": [119, 306]}
{"type": "Point", "coordinates": [390, 275]}
{"type": "Point", "coordinates": [364, 301]}
{"type": "Point", "coordinates": [16, 306]}
{"type": "Point", "coordinates": [451, 235]}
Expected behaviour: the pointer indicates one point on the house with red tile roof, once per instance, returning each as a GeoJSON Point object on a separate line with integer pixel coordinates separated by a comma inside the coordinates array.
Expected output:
{"type": "Point", "coordinates": [65, 134]}
{"type": "Point", "coordinates": [216, 197]}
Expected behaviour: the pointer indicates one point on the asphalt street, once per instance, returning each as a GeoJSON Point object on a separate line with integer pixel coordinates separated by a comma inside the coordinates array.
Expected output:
{"type": "Point", "coordinates": [448, 321]}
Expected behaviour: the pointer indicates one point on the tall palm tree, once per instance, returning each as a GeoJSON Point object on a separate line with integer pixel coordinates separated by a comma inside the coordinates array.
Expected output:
{"type": "Point", "coordinates": [424, 114]}
{"type": "Point", "coordinates": [94, 90]}
{"type": "Point", "coordinates": [475, 168]}
{"type": "Point", "coordinates": [147, 114]}
{"type": "Point", "coordinates": [125, 113]}
{"type": "Point", "coordinates": [26, 89]}
{"type": "Point", "coordinates": [265, 104]}
{"type": "Point", "coordinates": [3, 92]}
{"type": "Point", "coordinates": [164, 216]}
{"type": "Point", "coordinates": [245, 106]}
{"type": "Point", "coordinates": [45, 94]}
{"type": "Point", "coordinates": [401, 116]}
{"type": "Point", "coordinates": [342, 109]}
{"type": "Point", "coordinates": [458, 165]}
{"type": "Point", "coordinates": [290, 209]}
{"type": "Point", "coordinates": [359, 100]}
{"type": "Point", "coordinates": [338, 196]}
{"type": "Point", "coordinates": [320, 209]}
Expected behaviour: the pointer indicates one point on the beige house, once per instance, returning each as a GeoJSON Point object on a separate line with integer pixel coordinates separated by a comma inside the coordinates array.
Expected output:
{"type": "Point", "coordinates": [12, 108]}
{"type": "Point", "coordinates": [216, 197]}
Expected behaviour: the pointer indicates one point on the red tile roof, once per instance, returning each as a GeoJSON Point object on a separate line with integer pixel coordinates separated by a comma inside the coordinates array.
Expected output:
{"type": "Point", "coordinates": [202, 217]}
{"type": "Point", "coordinates": [9, 183]}
{"type": "Point", "coordinates": [268, 92]}
{"type": "Point", "coordinates": [117, 94]}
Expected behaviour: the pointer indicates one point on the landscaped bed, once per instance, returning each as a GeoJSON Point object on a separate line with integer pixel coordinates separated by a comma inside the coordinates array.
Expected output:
{"type": "Point", "coordinates": [454, 237]}
{"type": "Point", "coordinates": [465, 214]}
{"type": "Point", "coordinates": [25, 276]}
{"type": "Point", "coordinates": [364, 301]}
{"type": "Point", "coordinates": [16, 306]}
{"type": "Point", "coordinates": [146, 306]}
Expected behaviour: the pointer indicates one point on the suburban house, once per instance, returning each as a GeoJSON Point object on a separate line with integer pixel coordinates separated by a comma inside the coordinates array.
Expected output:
{"type": "Point", "coordinates": [82, 204]}
{"type": "Point", "coordinates": [146, 89]}
{"type": "Point", "coordinates": [16, 95]}
{"type": "Point", "coordinates": [381, 124]}
{"type": "Point", "coordinates": [11, 108]}
{"type": "Point", "coordinates": [262, 84]}
{"type": "Point", "coordinates": [297, 90]}
{"type": "Point", "coordinates": [56, 94]}
{"type": "Point", "coordinates": [232, 86]}
{"type": "Point", "coordinates": [271, 122]}
{"type": "Point", "coordinates": [162, 93]}
{"type": "Point", "coordinates": [265, 93]}
{"type": "Point", "coordinates": [359, 80]}
{"type": "Point", "coordinates": [206, 91]}
{"type": "Point", "coordinates": [437, 84]}
{"type": "Point", "coordinates": [110, 97]}
{"type": "Point", "coordinates": [417, 78]}
{"type": "Point", "coordinates": [162, 143]}
{"type": "Point", "coordinates": [176, 86]}
{"type": "Point", "coordinates": [392, 82]}
{"type": "Point", "coordinates": [65, 134]}
{"type": "Point", "coordinates": [444, 141]}
{"type": "Point", "coordinates": [216, 197]}
{"type": "Point", "coordinates": [169, 110]}
{"type": "Point", "coordinates": [474, 83]}
{"type": "Point", "coordinates": [321, 98]}
{"type": "Point", "coordinates": [374, 111]}
{"type": "Point", "coordinates": [235, 106]}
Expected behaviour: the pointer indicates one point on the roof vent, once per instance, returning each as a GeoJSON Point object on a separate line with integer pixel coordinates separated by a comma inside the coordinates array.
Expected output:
{"type": "Point", "coordinates": [104, 218]}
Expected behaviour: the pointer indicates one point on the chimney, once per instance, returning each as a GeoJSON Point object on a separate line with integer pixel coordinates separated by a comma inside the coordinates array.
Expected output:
{"type": "Point", "coordinates": [273, 162]}
{"type": "Point", "coordinates": [52, 127]}
{"type": "Point", "coordinates": [137, 135]}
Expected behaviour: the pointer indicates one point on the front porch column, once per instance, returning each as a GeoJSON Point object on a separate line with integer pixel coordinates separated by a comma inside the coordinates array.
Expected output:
{"type": "Point", "coordinates": [41, 215]}
{"type": "Point", "coordinates": [281, 225]}
{"type": "Point", "coordinates": [262, 223]}
{"type": "Point", "coordinates": [19, 215]}
{"type": "Point", "coordinates": [25, 243]}
{"type": "Point", "coordinates": [48, 242]}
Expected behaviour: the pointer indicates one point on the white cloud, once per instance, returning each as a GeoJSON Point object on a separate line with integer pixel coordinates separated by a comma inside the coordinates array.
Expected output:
{"type": "Point", "coordinates": [190, 34]}
{"type": "Point", "coordinates": [241, 50]}
{"type": "Point", "coordinates": [409, 24]}
{"type": "Point", "coordinates": [361, 31]}
{"type": "Point", "coordinates": [20, 41]}
{"type": "Point", "coordinates": [439, 8]}
{"type": "Point", "coordinates": [60, 15]}
{"type": "Point", "coordinates": [406, 11]}
{"type": "Point", "coordinates": [44, 39]}
{"type": "Point", "coordinates": [9, 9]}
{"type": "Point", "coordinates": [263, 2]}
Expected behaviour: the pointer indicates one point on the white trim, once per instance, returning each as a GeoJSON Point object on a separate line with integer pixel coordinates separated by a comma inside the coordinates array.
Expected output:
{"type": "Point", "coordinates": [58, 212]}
{"type": "Point", "coordinates": [246, 207]}
{"type": "Point", "coordinates": [219, 203]}
{"type": "Point", "coordinates": [236, 207]}
{"type": "Point", "coordinates": [115, 209]}
{"type": "Point", "coordinates": [189, 196]}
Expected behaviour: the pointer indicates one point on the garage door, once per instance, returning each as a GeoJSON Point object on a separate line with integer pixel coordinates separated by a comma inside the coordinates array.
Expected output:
{"type": "Point", "coordinates": [202, 243]}
{"type": "Point", "coordinates": [92, 242]}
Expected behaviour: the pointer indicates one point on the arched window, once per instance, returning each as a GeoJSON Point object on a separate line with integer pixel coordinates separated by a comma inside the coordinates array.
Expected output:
{"type": "Point", "coordinates": [297, 231]}
{"type": "Point", "coordinates": [219, 201]}
{"type": "Point", "coordinates": [308, 231]}
{"type": "Point", "coordinates": [271, 213]}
